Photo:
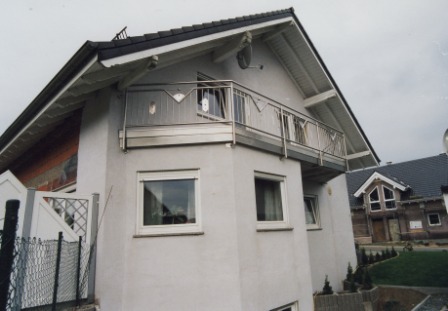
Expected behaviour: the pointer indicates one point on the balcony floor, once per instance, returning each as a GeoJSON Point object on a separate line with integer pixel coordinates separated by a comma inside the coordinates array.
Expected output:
{"type": "Point", "coordinates": [318, 167]}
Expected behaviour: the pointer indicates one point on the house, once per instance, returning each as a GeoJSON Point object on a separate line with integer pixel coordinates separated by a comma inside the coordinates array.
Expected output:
{"type": "Point", "coordinates": [217, 152]}
{"type": "Point", "coordinates": [402, 201]}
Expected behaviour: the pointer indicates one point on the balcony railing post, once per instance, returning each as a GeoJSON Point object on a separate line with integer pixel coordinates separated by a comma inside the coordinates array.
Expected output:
{"type": "Point", "coordinates": [283, 133]}
{"type": "Point", "coordinates": [321, 163]}
{"type": "Point", "coordinates": [345, 152]}
{"type": "Point", "coordinates": [232, 113]}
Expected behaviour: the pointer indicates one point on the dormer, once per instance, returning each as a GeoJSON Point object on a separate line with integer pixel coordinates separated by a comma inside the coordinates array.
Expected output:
{"type": "Point", "coordinates": [380, 193]}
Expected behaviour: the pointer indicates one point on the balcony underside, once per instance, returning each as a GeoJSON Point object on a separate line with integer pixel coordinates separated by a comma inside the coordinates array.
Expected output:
{"type": "Point", "coordinates": [316, 166]}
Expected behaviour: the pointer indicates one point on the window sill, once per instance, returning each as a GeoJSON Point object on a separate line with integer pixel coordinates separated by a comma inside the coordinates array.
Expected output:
{"type": "Point", "coordinates": [275, 229]}
{"type": "Point", "coordinates": [314, 229]}
{"type": "Point", "coordinates": [154, 235]}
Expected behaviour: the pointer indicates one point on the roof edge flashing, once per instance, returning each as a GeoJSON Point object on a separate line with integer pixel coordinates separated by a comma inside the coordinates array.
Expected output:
{"type": "Point", "coordinates": [158, 50]}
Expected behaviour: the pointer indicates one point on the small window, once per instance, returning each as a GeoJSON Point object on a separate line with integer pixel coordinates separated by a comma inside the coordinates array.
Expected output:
{"type": "Point", "coordinates": [288, 307]}
{"type": "Point", "coordinates": [270, 201]}
{"type": "Point", "coordinates": [311, 212]}
{"type": "Point", "coordinates": [168, 202]}
{"type": "Point", "coordinates": [415, 224]}
{"type": "Point", "coordinates": [374, 200]}
{"type": "Point", "coordinates": [389, 198]}
{"type": "Point", "coordinates": [434, 219]}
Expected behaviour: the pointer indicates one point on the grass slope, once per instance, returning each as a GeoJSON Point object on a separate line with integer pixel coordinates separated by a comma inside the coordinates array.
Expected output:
{"type": "Point", "coordinates": [427, 269]}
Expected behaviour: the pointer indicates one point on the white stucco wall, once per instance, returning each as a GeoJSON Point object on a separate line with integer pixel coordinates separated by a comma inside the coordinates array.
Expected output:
{"type": "Point", "coordinates": [274, 267]}
{"type": "Point", "coordinates": [332, 247]}
{"type": "Point", "coordinates": [273, 81]}
{"type": "Point", "coordinates": [231, 266]}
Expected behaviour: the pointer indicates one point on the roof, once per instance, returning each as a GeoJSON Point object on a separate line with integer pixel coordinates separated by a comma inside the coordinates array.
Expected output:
{"type": "Point", "coordinates": [133, 44]}
{"type": "Point", "coordinates": [423, 176]}
{"type": "Point", "coordinates": [97, 65]}
{"type": "Point", "coordinates": [375, 176]}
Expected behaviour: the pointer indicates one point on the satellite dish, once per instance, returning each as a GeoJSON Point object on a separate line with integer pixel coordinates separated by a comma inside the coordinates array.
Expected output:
{"type": "Point", "coordinates": [244, 57]}
{"type": "Point", "coordinates": [445, 141]}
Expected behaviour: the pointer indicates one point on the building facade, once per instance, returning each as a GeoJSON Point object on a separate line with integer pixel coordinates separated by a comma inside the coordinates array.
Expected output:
{"type": "Point", "coordinates": [402, 201]}
{"type": "Point", "coordinates": [218, 152]}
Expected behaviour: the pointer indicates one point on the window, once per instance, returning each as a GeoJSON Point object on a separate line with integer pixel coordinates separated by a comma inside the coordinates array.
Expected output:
{"type": "Point", "coordinates": [288, 307]}
{"type": "Point", "coordinates": [434, 219]}
{"type": "Point", "coordinates": [311, 212]}
{"type": "Point", "coordinates": [211, 99]}
{"type": "Point", "coordinates": [389, 198]}
{"type": "Point", "coordinates": [374, 200]}
{"type": "Point", "coordinates": [270, 201]}
{"type": "Point", "coordinates": [168, 202]}
{"type": "Point", "coordinates": [415, 224]}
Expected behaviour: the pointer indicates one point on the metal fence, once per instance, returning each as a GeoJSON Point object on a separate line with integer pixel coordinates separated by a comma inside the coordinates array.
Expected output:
{"type": "Point", "coordinates": [42, 275]}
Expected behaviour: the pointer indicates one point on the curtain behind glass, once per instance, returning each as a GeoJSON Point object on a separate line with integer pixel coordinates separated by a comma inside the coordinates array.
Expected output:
{"type": "Point", "coordinates": [268, 200]}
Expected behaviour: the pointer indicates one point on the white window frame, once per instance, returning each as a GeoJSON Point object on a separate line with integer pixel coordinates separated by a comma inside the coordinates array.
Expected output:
{"type": "Point", "coordinates": [389, 200]}
{"type": "Point", "coordinates": [277, 224]}
{"type": "Point", "coordinates": [415, 224]}
{"type": "Point", "coordinates": [315, 207]}
{"type": "Point", "coordinates": [293, 306]}
{"type": "Point", "coordinates": [429, 222]}
{"type": "Point", "coordinates": [175, 229]}
{"type": "Point", "coordinates": [370, 201]}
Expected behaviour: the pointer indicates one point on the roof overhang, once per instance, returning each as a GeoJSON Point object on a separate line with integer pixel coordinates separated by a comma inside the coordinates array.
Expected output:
{"type": "Point", "coordinates": [98, 65]}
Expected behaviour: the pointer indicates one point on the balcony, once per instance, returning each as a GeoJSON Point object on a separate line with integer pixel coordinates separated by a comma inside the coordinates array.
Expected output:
{"type": "Point", "coordinates": [224, 111]}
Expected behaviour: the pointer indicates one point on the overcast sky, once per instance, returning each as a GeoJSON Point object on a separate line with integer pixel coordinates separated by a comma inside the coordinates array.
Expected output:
{"type": "Point", "coordinates": [389, 58]}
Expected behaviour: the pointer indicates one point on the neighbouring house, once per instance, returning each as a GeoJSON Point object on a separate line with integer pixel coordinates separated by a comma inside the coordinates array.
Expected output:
{"type": "Point", "coordinates": [402, 201]}
{"type": "Point", "coordinates": [217, 152]}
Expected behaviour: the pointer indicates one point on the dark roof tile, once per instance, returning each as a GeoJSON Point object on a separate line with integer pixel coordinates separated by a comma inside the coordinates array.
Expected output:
{"type": "Point", "coordinates": [137, 39]}
{"type": "Point", "coordinates": [188, 28]}
{"type": "Point", "coordinates": [424, 176]}
{"type": "Point", "coordinates": [198, 26]}
{"type": "Point", "coordinates": [165, 33]}
{"type": "Point", "coordinates": [152, 36]}
{"type": "Point", "coordinates": [122, 42]}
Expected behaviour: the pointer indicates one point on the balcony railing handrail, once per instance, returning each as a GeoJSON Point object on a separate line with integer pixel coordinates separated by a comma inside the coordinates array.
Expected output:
{"type": "Point", "coordinates": [274, 103]}
{"type": "Point", "coordinates": [227, 101]}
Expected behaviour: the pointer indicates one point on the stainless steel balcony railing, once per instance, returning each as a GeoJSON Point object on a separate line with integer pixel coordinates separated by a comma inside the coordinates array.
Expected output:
{"type": "Point", "coordinates": [229, 103]}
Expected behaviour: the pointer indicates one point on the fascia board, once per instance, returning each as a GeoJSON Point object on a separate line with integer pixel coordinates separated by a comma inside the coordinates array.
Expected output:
{"type": "Point", "coordinates": [372, 178]}
{"type": "Point", "coordinates": [120, 60]}
{"type": "Point", "coordinates": [339, 94]}
{"type": "Point", "coordinates": [51, 102]}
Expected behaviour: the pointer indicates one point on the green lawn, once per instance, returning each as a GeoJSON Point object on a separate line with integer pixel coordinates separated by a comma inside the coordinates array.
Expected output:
{"type": "Point", "coordinates": [427, 269]}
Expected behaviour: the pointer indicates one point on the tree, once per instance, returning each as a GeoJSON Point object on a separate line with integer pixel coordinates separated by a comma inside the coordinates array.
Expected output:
{"type": "Point", "coordinates": [366, 280]}
{"type": "Point", "coordinates": [349, 275]}
{"type": "Point", "coordinates": [393, 252]}
{"type": "Point", "coordinates": [327, 290]}
{"type": "Point", "coordinates": [364, 258]}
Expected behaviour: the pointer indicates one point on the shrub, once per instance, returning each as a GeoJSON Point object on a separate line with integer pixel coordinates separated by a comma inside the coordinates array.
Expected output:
{"type": "Point", "coordinates": [393, 252]}
{"type": "Point", "coordinates": [364, 259]}
{"type": "Point", "coordinates": [357, 276]}
{"type": "Point", "coordinates": [366, 280]}
{"type": "Point", "coordinates": [349, 275]}
{"type": "Point", "coordinates": [327, 290]}
{"type": "Point", "coordinates": [377, 257]}
{"type": "Point", "coordinates": [371, 258]}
